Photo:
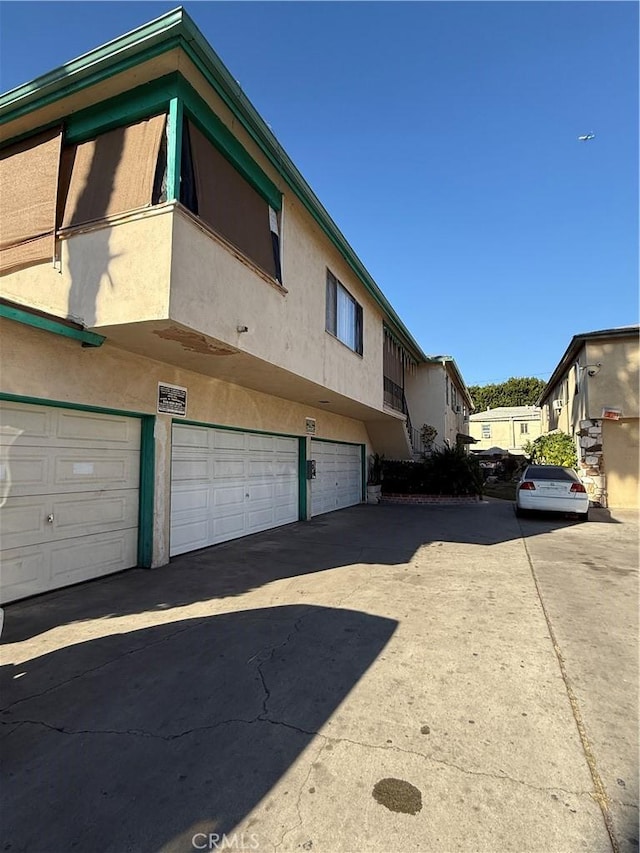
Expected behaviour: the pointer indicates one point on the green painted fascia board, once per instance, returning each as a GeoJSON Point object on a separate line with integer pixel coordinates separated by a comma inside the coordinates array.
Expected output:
{"type": "Point", "coordinates": [147, 489]}
{"type": "Point", "coordinates": [139, 45]}
{"type": "Point", "coordinates": [65, 404]}
{"type": "Point", "coordinates": [209, 123]}
{"type": "Point", "coordinates": [90, 339]}
{"type": "Point", "coordinates": [177, 29]}
{"type": "Point", "coordinates": [145, 101]}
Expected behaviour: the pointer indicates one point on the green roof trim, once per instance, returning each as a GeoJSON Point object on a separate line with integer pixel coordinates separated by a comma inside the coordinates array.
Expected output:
{"type": "Point", "coordinates": [176, 29]}
{"type": "Point", "coordinates": [46, 324]}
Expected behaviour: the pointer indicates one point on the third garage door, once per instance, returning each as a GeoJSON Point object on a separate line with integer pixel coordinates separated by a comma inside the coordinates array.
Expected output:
{"type": "Point", "coordinates": [226, 484]}
{"type": "Point", "coordinates": [338, 481]}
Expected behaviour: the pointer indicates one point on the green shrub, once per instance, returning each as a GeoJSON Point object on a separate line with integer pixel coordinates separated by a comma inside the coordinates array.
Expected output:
{"type": "Point", "coordinates": [447, 471]}
{"type": "Point", "coordinates": [555, 448]}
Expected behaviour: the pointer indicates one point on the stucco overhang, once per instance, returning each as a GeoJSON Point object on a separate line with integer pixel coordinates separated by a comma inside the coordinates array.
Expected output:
{"type": "Point", "coordinates": [174, 30]}
{"type": "Point", "coordinates": [574, 348]}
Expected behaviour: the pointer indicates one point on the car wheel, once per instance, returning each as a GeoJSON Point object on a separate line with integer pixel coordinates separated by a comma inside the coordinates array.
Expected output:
{"type": "Point", "coordinates": [520, 513]}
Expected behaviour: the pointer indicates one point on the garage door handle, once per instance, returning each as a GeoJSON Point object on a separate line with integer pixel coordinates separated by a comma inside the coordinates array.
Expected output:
{"type": "Point", "coordinates": [50, 518]}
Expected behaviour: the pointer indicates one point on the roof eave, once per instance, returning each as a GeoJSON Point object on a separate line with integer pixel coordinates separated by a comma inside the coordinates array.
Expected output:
{"type": "Point", "coordinates": [575, 345]}
{"type": "Point", "coordinates": [177, 28]}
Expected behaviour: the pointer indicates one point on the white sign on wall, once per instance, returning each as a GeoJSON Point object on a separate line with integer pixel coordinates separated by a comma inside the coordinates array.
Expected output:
{"type": "Point", "coordinates": [311, 426]}
{"type": "Point", "coordinates": [172, 400]}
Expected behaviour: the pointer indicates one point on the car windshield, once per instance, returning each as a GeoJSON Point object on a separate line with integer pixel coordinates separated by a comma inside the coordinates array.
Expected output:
{"type": "Point", "coordinates": [549, 472]}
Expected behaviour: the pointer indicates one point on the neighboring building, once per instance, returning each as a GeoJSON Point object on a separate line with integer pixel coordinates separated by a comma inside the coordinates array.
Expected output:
{"type": "Point", "coordinates": [439, 398]}
{"type": "Point", "coordinates": [506, 427]}
{"type": "Point", "coordinates": [592, 395]}
{"type": "Point", "coordinates": [172, 365]}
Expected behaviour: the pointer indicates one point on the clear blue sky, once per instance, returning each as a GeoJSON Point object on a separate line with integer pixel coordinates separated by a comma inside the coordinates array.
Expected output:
{"type": "Point", "coordinates": [442, 139]}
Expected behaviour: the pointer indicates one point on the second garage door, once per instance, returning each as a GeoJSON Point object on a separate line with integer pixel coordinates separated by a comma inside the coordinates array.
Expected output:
{"type": "Point", "coordinates": [226, 484]}
{"type": "Point", "coordinates": [338, 481]}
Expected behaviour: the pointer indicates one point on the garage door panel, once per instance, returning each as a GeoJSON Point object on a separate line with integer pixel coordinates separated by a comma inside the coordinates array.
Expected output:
{"type": "Point", "coordinates": [69, 479]}
{"type": "Point", "coordinates": [257, 442]}
{"type": "Point", "coordinates": [189, 534]}
{"type": "Point", "coordinates": [226, 527]}
{"type": "Point", "coordinates": [228, 469]}
{"type": "Point", "coordinates": [221, 439]}
{"type": "Point", "coordinates": [79, 559]}
{"type": "Point", "coordinates": [23, 570]}
{"type": "Point", "coordinates": [224, 496]}
{"type": "Point", "coordinates": [27, 425]}
{"type": "Point", "coordinates": [190, 437]}
{"type": "Point", "coordinates": [57, 470]}
{"type": "Point", "coordinates": [191, 469]}
{"type": "Point", "coordinates": [23, 521]}
{"type": "Point", "coordinates": [96, 430]}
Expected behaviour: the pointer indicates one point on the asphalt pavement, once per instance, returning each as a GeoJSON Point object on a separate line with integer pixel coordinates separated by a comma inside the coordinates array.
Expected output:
{"type": "Point", "coordinates": [379, 679]}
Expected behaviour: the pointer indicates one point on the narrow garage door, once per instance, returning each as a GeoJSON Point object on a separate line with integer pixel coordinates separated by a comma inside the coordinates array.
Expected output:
{"type": "Point", "coordinates": [338, 481]}
{"type": "Point", "coordinates": [69, 492]}
{"type": "Point", "coordinates": [226, 484]}
{"type": "Point", "coordinates": [620, 450]}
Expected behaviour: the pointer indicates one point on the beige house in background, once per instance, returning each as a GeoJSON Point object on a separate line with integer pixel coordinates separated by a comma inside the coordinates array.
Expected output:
{"type": "Point", "coordinates": [440, 398]}
{"type": "Point", "coordinates": [593, 396]}
{"type": "Point", "coordinates": [191, 350]}
{"type": "Point", "coordinates": [506, 427]}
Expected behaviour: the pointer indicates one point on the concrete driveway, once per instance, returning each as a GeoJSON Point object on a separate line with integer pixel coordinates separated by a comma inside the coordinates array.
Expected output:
{"type": "Point", "coordinates": [378, 679]}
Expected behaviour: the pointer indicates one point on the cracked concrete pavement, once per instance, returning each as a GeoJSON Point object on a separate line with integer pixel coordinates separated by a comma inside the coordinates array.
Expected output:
{"type": "Point", "coordinates": [251, 695]}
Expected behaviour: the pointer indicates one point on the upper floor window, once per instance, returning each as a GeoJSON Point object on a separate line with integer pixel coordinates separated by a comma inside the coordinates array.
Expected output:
{"type": "Point", "coordinates": [343, 315]}
{"type": "Point", "coordinates": [524, 428]}
{"type": "Point", "coordinates": [486, 430]}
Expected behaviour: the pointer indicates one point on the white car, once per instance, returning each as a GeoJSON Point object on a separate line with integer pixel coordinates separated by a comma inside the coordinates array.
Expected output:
{"type": "Point", "coordinates": [551, 488]}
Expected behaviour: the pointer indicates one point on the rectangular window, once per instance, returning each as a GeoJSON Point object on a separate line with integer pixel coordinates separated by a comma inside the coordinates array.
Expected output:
{"type": "Point", "coordinates": [486, 430]}
{"type": "Point", "coordinates": [524, 429]}
{"type": "Point", "coordinates": [343, 315]}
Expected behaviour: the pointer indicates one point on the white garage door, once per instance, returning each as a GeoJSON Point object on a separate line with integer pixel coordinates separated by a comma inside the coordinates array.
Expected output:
{"type": "Point", "coordinates": [338, 480]}
{"type": "Point", "coordinates": [69, 487]}
{"type": "Point", "coordinates": [226, 484]}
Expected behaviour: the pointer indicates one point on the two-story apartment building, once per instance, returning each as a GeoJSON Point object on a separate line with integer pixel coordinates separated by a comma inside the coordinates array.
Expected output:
{"type": "Point", "coordinates": [191, 350]}
{"type": "Point", "coordinates": [593, 396]}
{"type": "Point", "coordinates": [506, 427]}
{"type": "Point", "coordinates": [439, 398]}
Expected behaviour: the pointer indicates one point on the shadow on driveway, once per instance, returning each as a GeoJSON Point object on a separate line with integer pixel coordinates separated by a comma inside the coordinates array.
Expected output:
{"type": "Point", "coordinates": [138, 741]}
{"type": "Point", "coordinates": [375, 535]}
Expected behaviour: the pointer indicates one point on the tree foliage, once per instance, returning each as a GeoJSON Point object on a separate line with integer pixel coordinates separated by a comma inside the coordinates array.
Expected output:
{"type": "Point", "coordinates": [522, 391]}
{"type": "Point", "coordinates": [555, 448]}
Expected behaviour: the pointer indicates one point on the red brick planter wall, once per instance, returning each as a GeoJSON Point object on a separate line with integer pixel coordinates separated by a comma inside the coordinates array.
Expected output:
{"type": "Point", "coordinates": [419, 500]}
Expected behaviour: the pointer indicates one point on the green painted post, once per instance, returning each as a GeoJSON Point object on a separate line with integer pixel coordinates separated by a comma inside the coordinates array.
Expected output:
{"type": "Point", "coordinates": [174, 149]}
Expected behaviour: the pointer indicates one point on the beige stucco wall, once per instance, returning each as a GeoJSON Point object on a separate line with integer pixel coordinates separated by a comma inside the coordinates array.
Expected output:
{"type": "Point", "coordinates": [214, 292]}
{"type": "Point", "coordinates": [617, 383]}
{"type": "Point", "coordinates": [620, 440]}
{"type": "Point", "coordinates": [42, 365]}
{"type": "Point", "coordinates": [505, 433]}
{"type": "Point", "coordinates": [427, 401]}
{"type": "Point", "coordinates": [425, 393]}
{"type": "Point", "coordinates": [106, 275]}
